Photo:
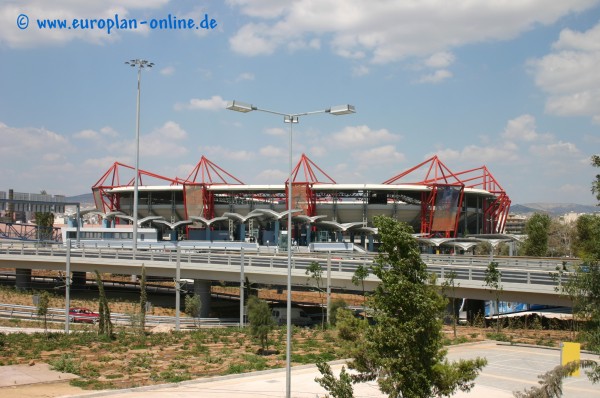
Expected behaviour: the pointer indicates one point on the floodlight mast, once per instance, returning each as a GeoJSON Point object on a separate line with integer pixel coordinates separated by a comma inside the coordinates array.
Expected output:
{"type": "Point", "coordinates": [140, 64]}
{"type": "Point", "coordinates": [290, 118]}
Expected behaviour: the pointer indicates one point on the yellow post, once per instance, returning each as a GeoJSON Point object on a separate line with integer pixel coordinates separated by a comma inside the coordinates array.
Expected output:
{"type": "Point", "coordinates": [570, 352]}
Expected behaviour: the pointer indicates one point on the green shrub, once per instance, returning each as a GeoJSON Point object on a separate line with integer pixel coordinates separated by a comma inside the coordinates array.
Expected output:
{"type": "Point", "coordinates": [66, 363]}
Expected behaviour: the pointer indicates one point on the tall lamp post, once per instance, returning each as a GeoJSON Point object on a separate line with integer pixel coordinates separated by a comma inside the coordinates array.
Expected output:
{"type": "Point", "coordinates": [140, 64]}
{"type": "Point", "coordinates": [290, 118]}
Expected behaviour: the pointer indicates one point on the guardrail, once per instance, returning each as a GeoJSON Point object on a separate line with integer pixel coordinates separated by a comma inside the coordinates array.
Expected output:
{"type": "Point", "coordinates": [58, 315]}
{"type": "Point", "coordinates": [517, 270]}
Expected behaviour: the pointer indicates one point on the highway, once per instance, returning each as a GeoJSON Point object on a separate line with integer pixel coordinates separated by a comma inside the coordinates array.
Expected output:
{"type": "Point", "coordinates": [523, 279]}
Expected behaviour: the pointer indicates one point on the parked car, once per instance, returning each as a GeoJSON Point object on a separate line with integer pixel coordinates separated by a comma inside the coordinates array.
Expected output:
{"type": "Point", "coordinates": [84, 315]}
{"type": "Point", "coordinates": [299, 317]}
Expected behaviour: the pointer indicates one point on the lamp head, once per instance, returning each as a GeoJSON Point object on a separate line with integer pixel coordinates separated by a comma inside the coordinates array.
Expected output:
{"type": "Point", "coordinates": [342, 110]}
{"type": "Point", "coordinates": [239, 106]}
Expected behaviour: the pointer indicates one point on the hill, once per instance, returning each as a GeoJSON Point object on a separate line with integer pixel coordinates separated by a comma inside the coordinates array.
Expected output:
{"type": "Point", "coordinates": [552, 209]}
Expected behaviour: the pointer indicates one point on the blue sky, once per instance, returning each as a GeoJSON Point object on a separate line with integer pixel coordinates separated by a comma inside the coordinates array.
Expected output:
{"type": "Point", "coordinates": [513, 85]}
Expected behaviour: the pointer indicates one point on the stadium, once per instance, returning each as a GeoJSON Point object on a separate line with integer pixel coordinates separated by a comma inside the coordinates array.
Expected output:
{"type": "Point", "coordinates": [212, 204]}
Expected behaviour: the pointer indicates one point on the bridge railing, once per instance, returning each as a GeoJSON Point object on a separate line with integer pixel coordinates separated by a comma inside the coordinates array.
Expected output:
{"type": "Point", "coordinates": [518, 270]}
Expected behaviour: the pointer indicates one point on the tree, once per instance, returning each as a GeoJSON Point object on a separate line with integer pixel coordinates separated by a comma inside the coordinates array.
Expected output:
{"type": "Point", "coordinates": [404, 350]}
{"type": "Point", "coordinates": [336, 305]}
{"type": "Point", "coordinates": [536, 229]}
{"type": "Point", "coordinates": [359, 277]}
{"type": "Point", "coordinates": [44, 222]}
{"type": "Point", "coordinates": [551, 381]}
{"type": "Point", "coordinates": [596, 182]}
{"type": "Point", "coordinates": [338, 388]}
{"type": "Point", "coordinates": [584, 288]}
{"type": "Point", "coordinates": [42, 308]}
{"type": "Point", "coordinates": [193, 305]}
{"type": "Point", "coordinates": [450, 284]}
{"type": "Point", "coordinates": [105, 326]}
{"type": "Point", "coordinates": [560, 238]}
{"type": "Point", "coordinates": [143, 300]}
{"type": "Point", "coordinates": [261, 321]}
{"type": "Point", "coordinates": [586, 243]}
{"type": "Point", "coordinates": [315, 271]}
{"type": "Point", "coordinates": [482, 248]}
{"type": "Point", "coordinates": [492, 280]}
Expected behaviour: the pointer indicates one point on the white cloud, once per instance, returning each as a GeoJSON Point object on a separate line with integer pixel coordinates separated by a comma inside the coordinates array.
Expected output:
{"type": "Point", "coordinates": [386, 154]}
{"type": "Point", "coordinates": [228, 154]}
{"type": "Point", "coordinates": [53, 154]}
{"type": "Point", "coordinates": [439, 60]}
{"type": "Point", "coordinates": [87, 134]}
{"type": "Point", "coordinates": [271, 151]}
{"type": "Point", "coordinates": [445, 154]}
{"type": "Point", "coordinates": [272, 176]}
{"type": "Point", "coordinates": [170, 131]}
{"type": "Point", "coordinates": [573, 189]}
{"type": "Point", "coordinates": [436, 77]}
{"type": "Point", "coordinates": [295, 45]}
{"type": "Point", "coordinates": [54, 157]}
{"type": "Point", "coordinates": [100, 164]}
{"type": "Point", "coordinates": [476, 154]}
{"type": "Point", "coordinates": [212, 104]}
{"type": "Point", "coordinates": [167, 71]}
{"type": "Point", "coordinates": [245, 76]}
{"type": "Point", "coordinates": [521, 128]}
{"type": "Point", "coordinates": [30, 141]}
{"type": "Point", "coordinates": [361, 136]}
{"type": "Point", "coordinates": [388, 31]}
{"type": "Point", "coordinates": [166, 141]}
{"type": "Point", "coordinates": [360, 70]}
{"type": "Point", "coordinates": [560, 148]}
{"type": "Point", "coordinates": [67, 10]}
{"type": "Point", "coordinates": [569, 75]}
{"type": "Point", "coordinates": [276, 131]}
{"type": "Point", "coordinates": [248, 41]}
{"type": "Point", "coordinates": [318, 151]}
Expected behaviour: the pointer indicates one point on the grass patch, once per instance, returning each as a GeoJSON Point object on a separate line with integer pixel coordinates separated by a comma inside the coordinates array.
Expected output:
{"type": "Point", "coordinates": [498, 337]}
{"type": "Point", "coordinates": [67, 364]}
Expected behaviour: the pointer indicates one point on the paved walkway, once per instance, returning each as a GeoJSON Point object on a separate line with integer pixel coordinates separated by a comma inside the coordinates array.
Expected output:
{"type": "Point", "coordinates": [24, 374]}
{"type": "Point", "coordinates": [510, 368]}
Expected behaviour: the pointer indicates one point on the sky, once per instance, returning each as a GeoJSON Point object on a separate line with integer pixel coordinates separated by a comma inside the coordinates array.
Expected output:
{"type": "Point", "coordinates": [513, 85]}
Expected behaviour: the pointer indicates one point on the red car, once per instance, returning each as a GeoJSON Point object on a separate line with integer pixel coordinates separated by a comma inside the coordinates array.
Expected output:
{"type": "Point", "coordinates": [80, 314]}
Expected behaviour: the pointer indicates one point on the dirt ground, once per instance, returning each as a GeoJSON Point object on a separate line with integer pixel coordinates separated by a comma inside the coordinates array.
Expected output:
{"type": "Point", "coordinates": [61, 388]}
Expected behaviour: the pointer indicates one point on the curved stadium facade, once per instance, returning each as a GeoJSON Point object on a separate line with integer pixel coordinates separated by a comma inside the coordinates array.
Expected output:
{"type": "Point", "coordinates": [213, 204]}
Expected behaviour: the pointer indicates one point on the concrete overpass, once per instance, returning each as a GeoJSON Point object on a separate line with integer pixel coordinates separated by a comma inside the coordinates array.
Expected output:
{"type": "Point", "coordinates": [525, 280]}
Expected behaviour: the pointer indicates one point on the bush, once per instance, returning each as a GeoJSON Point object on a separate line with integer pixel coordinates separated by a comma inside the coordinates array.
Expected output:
{"type": "Point", "coordinates": [335, 306]}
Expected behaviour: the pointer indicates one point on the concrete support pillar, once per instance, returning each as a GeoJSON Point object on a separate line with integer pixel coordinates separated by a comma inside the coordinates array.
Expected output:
{"type": "Point", "coordinates": [208, 238]}
{"type": "Point", "coordinates": [308, 231]}
{"type": "Point", "coordinates": [339, 236]}
{"type": "Point", "coordinates": [78, 279]}
{"type": "Point", "coordinates": [276, 232]}
{"type": "Point", "coordinates": [202, 290]}
{"type": "Point", "coordinates": [370, 243]}
{"type": "Point", "coordinates": [242, 232]}
{"type": "Point", "coordinates": [105, 223]}
{"type": "Point", "coordinates": [23, 278]}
